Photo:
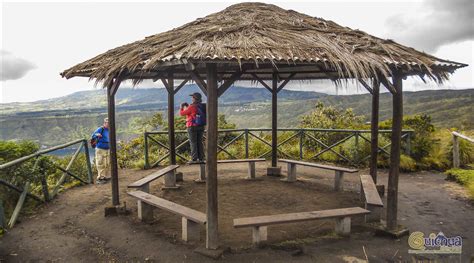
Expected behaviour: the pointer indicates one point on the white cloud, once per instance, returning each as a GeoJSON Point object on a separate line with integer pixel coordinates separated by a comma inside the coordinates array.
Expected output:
{"type": "Point", "coordinates": [13, 67]}
{"type": "Point", "coordinates": [433, 24]}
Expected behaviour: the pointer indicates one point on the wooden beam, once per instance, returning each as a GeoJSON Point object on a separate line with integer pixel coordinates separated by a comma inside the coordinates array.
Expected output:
{"type": "Point", "coordinates": [180, 86]}
{"type": "Point", "coordinates": [390, 87]}
{"type": "Point", "coordinates": [374, 130]}
{"type": "Point", "coordinates": [166, 84]}
{"type": "Point", "coordinates": [366, 86]}
{"type": "Point", "coordinates": [392, 192]}
{"type": "Point", "coordinates": [211, 161]}
{"type": "Point", "coordinates": [229, 82]}
{"type": "Point", "coordinates": [114, 86]}
{"type": "Point", "coordinates": [113, 141]}
{"type": "Point", "coordinates": [257, 78]}
{"type": "Point", "coordinates": [199, 81]}
{"type": "Point", "coordinates": [282, 85]}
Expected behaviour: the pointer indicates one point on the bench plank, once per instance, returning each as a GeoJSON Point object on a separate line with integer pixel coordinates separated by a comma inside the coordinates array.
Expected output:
{"type": "Point", "coordinates": [169, 206]}
{"type": "Point", "coordinates": [322, 166]}
{"type": "Point", "coordinates": [372, 196]}
{"type": "Point", "coordinates": [297, 217]}
{"type": "Point", "coordinates": [152, 177]}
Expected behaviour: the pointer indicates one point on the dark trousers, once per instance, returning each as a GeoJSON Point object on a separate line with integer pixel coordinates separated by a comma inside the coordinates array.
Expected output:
{"type": "Point", "coordinates": [195, 134]}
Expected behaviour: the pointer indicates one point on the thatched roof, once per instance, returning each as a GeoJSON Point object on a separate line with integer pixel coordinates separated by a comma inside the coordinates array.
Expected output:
{"type": "Point", "coordinates": [263, 37]}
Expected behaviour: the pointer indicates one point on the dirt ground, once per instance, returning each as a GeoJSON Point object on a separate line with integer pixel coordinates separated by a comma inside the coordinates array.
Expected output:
{"type": "Point", "coordinates": [73, 228]}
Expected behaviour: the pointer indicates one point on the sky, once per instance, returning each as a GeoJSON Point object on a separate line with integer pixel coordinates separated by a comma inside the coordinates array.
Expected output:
{"type": "Point", "coordinates": [41, 39]}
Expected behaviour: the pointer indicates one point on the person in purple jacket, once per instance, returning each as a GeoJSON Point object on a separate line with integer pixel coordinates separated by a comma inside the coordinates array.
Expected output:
{"type": "Point", "coordinates": [102, 153]}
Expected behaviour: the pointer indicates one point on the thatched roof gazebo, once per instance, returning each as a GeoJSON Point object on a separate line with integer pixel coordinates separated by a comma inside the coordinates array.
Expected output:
{"type": "Point", "coordinates": [262, 42]}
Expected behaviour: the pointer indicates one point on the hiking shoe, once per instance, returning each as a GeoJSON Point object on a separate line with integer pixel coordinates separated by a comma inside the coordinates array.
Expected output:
{"type": "Point", "coordinates": [101, 181]}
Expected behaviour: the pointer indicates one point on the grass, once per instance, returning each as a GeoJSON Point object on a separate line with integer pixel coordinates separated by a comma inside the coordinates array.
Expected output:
{"type": "Point", "coordinates": [463, 177]}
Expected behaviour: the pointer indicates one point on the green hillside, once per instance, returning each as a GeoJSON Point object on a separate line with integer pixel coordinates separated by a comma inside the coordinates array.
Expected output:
{"type": "Point", "coordinates": [55, 121]}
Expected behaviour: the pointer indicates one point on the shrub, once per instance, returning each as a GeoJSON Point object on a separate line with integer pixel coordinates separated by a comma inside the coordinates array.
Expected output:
{"type": "Point", "coordinates": [407, 164]}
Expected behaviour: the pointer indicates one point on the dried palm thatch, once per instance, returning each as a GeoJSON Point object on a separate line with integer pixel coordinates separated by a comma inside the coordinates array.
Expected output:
{"type": "Point", "coordinates": [263, 34]}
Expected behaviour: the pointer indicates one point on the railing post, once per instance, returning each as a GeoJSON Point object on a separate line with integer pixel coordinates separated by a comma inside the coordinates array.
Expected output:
{"type": "Point", "coordinates": [88, 162]}
{"type": "Point", "coordinates": [408, 147]}
{"type": "Point", "coordinates": [147, 161]}
{"type": "Point", "coordinates": [455, 151]}
{"type": "Point", "coordinates": [246, 143]}
{"type": "Point", "coordinates": [3, 221]}
{"type": "Point", "coordinates": [356, 145]}
{"type": "Point", "coordinates": [19, 205]}
{"type": "Point", "coordinates": [301, 143]}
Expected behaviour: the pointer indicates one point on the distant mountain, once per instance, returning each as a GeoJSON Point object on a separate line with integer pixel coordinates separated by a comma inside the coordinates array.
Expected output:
{"type": "Point", "coordinates": [61, 119]}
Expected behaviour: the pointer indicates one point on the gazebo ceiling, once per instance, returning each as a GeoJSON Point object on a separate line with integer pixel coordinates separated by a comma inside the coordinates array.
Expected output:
{"type": "Point", "coordinates": [261, 38]}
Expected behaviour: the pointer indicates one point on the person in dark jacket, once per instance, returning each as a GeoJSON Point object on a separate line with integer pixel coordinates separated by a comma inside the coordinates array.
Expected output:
{"type": "Point", "coordinates": [194, 126]}
{"type": "Point", "coordinates": [102, 153]}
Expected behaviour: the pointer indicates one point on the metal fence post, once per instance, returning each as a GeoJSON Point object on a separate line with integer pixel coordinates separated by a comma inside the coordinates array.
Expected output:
{"type": "Point", "coordinates": [88, 162]}
{"type": "Point", "coordinates": [246, 143]}
{"type": "Point", "coordinates": [147, 161]}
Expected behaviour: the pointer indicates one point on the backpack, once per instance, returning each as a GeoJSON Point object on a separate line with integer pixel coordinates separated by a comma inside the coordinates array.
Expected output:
{"type": "Point", "coordinates": [200, 118]}
{"type": "Point", "coordinates": [93, 141]}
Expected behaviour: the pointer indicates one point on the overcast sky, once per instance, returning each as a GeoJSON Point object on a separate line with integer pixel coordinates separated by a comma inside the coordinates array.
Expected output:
{"type": "Point", "coordinates": [39, 40]}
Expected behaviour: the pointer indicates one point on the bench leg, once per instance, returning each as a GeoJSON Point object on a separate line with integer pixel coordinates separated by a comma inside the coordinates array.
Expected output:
{"type": "Point", "coordinates": [259, 235]}
{"type": "Point", "coordinates": [343, 226]}
{"type": "Point", "coordinates": [251, 170]}
{"type": "Point", "coordinates": [145, 212]}
{"type": "Point", "coordinates": [190, 230]}
{"type": "Point", "coordinates": [375, 213]}
{"type": "Point", "coordinates": [202, 174]}
{"type": "Point", "coordinates": [291, 172]}
{"type": "Point", "coordinates": [338, 181]}
{"type": "Point", "coordinates": [170, 180]}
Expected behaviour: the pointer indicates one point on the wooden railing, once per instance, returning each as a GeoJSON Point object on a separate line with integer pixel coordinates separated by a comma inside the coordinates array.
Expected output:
{"type": "Point", "coordinates": [456, 136]}
{"type": "Point", "coordinates": [47, 195]}
{"type": "Point", "coordinates": [306, 138]}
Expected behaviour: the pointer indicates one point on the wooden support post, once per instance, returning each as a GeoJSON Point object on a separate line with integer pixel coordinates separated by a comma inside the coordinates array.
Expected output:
{"type": "Point", "coordinates": [211, 163]}
{"type": "Point", "coordinates": [147, 160]}
{"type": "Point", "coordinates": [44, 186]}
{"type": "Point", "coordinates": [190, 230]}
{"type": "Point", "coordinates": [456, 161]}
{"type": "Point", "coordinates": [291, 172]}
{"type": "Point", "coordinates": [246, 143]}
{"type": "Point", "coordinates": [171, 132]}
{"type": "Point", "coordinates": [343, 226]}
{"type": "Point", "coordinates": [145, 211]}
{"type": "Point", "coordinates": [274, 170]}
{"type": "Point", "coordinates": [392, 192]}
{"type": "Point", "coordinates": [111, 90]}
{"type": "Point", "coordinates": [251, 174]}
{"type": "Point", "coordinates": [374, 131]}
{"type": "Point", "coordinates": [19, 205]}
{"type": "Point", "coordinates": [339, 181]}
{"type": "Point", "coordinates": [259, 235]}
{"type": "Point", "coordinates": [90, 177]}
{"type": "Point", "coordinates": [301, 143]}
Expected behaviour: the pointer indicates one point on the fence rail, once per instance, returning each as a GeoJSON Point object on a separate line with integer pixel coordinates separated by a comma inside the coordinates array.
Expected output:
{"type": "Point", "coordinates": [47, 195]}
{"type": "Point", "coordinates": [456, 154]}
{"type": "Point", "coordinates": [305, 136]}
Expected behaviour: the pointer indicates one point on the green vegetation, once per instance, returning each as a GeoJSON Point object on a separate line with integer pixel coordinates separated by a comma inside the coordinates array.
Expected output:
{"type": "Point", "coordinates": [21, 173]}
{"type": "Point", "coordinates": [463, 177]}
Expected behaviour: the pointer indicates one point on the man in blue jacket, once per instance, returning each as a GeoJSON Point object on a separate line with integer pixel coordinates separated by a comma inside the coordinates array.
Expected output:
{"type": "Point", "coordinates": [102, 154]}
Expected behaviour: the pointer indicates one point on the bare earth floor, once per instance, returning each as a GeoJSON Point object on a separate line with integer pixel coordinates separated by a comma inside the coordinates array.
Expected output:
{"type": "Point", "coordinates": [73, 228]}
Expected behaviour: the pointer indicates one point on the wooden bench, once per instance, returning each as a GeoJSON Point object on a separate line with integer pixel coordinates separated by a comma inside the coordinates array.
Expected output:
{"type": "Point", "coordinates": [259, 224]}
{"type": "Point", "coordinates": [371, 198]}
{"type": "Point", "coordinates": [338, 181]}
{"type": "Point", "coordinates": [251, 170]}
{"type": "Point", "coordinates": [170, 179]}
{"type": "Point", "coordinates": [191, 219]}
